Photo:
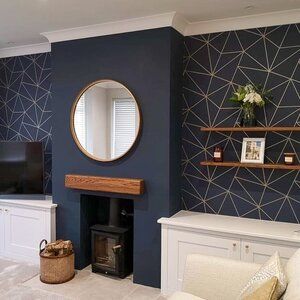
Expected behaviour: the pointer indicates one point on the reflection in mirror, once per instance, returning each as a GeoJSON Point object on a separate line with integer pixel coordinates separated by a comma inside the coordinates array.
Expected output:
{"type": "Point", "coordinates": [106, 120]}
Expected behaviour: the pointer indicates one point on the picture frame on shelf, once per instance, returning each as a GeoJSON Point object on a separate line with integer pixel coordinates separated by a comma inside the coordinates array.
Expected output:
{"type": "Point", "coordinates": [253, 150]}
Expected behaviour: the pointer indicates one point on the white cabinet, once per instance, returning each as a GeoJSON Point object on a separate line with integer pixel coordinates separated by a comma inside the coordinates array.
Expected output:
{"type": "Point", "coordinates": [183, 242]}
{"type": "Point", "coordinates": [231, 237]}
{"type": "Point", "coordinates": [23, 224]}
{"type": "Point", "coordinates": [259, 252]}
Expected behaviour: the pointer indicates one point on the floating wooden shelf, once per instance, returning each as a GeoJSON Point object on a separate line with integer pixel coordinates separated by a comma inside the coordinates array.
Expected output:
{"type": "Point", "coordinates": [128, 186]}
{"type": "Point", "coordinates": [249, 165]}
{"type": "Point", "coordinates": [250, 129]}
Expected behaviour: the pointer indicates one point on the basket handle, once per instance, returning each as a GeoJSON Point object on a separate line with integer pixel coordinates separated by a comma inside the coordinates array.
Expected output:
{"type": "Point", "coordinates": [41, 243]}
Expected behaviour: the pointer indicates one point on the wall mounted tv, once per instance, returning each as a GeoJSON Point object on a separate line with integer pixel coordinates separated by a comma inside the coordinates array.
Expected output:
{"type": "Point", "coordinates": [21, 168]}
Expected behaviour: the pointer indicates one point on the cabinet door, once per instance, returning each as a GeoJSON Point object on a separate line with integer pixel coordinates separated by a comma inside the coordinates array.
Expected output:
{"type": "Point", "coordinates": [24, 229]}
{"type": "Point", "coordinates": [1, 230]}
{"type": "Point", "coordinates": [260, 252]}
{"type": "Point", "coordinates": [182, 243]}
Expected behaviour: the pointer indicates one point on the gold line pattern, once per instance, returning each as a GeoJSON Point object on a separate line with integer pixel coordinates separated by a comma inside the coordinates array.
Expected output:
{"type": "Point", "coordinates": [214, 66]}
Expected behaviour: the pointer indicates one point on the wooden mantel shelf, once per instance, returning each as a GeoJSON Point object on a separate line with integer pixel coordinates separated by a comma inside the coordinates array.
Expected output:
{"type": "Point", "coordinates": [250, 129]}
{"type": "Point", "coordinates": [128, 186]}
{"type": "Point", "coordinates": [250, 165]}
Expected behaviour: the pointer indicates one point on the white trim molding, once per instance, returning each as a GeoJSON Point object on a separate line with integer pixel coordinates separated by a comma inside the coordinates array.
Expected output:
{"type": "Point", "coordinates": [176, 21]}
{"type": "Point", "coordinates": [25, 50]}
{"type": "Point", "coordinates": [244, 22]}
{"type": "Point", "coordinates": [179, 23]}
{"type": "Point", "coordinates": [171, 19]}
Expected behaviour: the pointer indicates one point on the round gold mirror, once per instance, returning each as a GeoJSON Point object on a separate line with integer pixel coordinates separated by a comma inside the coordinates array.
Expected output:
{"type": "Point", "coordinates": [105, 120]}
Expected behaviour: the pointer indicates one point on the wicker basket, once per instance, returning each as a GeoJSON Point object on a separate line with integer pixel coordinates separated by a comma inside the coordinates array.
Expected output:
{"type": "Point", "coordinates": [56, 269]}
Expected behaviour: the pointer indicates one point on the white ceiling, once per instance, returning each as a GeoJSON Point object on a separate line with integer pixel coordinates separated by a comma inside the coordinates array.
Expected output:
{"type": "Point", "coordinates": [22, 21]}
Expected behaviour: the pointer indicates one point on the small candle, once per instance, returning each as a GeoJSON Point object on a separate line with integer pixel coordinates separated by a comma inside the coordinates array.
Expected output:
{"type": "Point", "coordinates": [289, 158]}
{"type": "Point", "coordinates": [218, 154]}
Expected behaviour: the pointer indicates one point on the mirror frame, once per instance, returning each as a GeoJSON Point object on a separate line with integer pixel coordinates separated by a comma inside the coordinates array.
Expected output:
{"type": "Point", "coordinates": [72, 125]}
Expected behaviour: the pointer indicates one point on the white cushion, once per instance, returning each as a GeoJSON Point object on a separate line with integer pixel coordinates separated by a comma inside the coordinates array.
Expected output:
{"type": "Point", "coordinates": [216, 278]}
{"type": "Point", "coordinates": [292, 268]}
{"type": "Point", "coordinates": [271, 268]}
{"type": "Point", "coordinates": [293, 290]}
{"type": "Point", "coordinates": [184, 296]}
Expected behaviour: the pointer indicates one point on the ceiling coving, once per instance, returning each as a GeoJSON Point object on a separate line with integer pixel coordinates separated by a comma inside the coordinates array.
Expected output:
{"type": "Point", "coordinates": [22, 23]}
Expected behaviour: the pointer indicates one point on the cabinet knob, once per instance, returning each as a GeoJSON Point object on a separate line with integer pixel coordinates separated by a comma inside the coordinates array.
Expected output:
{"type": "Point", "coordinates": [234, 244]}
{"type": "Point", "coordinates": [6, 210]}
{"type": "Point", "coordinates": [247, 247]}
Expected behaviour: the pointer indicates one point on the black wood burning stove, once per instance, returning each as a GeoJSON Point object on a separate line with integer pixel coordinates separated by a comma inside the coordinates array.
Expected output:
{"type": "Point", "coordinates": [112, 250]}
{"type": "Point", "coordinates": [112, 243]}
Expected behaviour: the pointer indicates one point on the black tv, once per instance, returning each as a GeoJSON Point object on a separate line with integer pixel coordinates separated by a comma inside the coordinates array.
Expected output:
{"type": "Point", "coordinates": [21, 168]}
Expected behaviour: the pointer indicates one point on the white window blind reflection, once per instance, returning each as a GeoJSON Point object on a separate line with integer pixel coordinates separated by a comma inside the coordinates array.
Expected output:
{"type": "Point", "coordinates": [80, 121]}
{"type": "Point", "coordinates": [124, 125]}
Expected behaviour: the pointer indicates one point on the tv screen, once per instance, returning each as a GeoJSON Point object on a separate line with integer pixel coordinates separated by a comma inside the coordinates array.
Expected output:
{"type": "Point", "coordinates": [21, 168]}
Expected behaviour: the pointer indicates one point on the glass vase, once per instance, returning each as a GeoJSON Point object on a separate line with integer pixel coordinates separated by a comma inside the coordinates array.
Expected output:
{"type": "Point", "coordinates": [248, 116]}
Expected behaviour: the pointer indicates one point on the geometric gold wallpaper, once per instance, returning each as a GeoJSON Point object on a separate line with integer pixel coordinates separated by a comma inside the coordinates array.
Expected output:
{"type": "Point", "coordinates": [214, 66]}
{"type": "Point", "coordinates": [25, 103]}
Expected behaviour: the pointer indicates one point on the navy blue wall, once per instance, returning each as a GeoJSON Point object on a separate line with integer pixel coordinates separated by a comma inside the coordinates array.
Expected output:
{"type": "Point", "coordinates": [214, 65]}
{"type": "Point", "coordinates": [142, 62]}
{"type": "Point", "coordinates": [25, 103]}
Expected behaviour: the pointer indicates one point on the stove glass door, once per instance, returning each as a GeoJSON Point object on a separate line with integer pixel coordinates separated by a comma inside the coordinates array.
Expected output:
{"type": "Point", "coordinates": [105, 251]}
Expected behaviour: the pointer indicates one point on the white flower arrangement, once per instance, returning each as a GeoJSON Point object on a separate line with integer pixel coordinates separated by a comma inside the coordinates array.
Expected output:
{"type": "Point", "coordinates": [254, 97]}
{"type": "Point", "coordinates": [250, 95]}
